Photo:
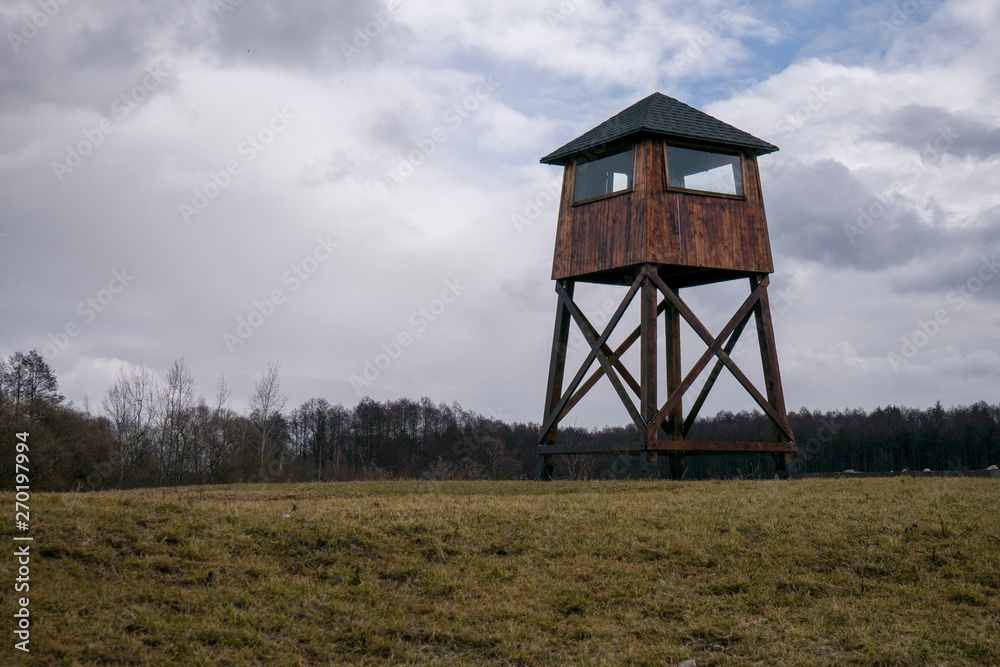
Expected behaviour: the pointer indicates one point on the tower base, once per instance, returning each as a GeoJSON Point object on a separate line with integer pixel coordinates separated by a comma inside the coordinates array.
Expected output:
{"type": "Point", "coordinates": [663, 428]}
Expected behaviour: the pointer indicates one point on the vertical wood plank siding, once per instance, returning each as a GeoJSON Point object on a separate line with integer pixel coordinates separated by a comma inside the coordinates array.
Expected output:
{"type": "Point", "coordinates": [642, 225]}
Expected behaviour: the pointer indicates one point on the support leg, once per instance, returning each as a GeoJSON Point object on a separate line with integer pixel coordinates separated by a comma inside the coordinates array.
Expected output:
{"type": "Point", "coordinates": [647, 333]}
{"type": "Point", "coordinates": [675, 420]}
{"type": "Point", "coordinates": [772, 376]}
{"type": "Point", "coordinates": [782, 464]}
{"type": "Point", "coordinates": [676, 466]}
{"type": "Point", "coordinates": [647, 393]}
{"type": "Point", "coordinates": [557, 366]}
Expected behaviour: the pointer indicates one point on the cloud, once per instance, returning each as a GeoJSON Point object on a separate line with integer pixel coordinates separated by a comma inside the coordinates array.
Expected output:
{"type": "Point", "coordinates": [318, 37]}
{"type": "Point", "coordinates": [85, 56]}
{"type": "Point", "coordinates": [824, 213]}
{"type": "Point", "coordinates": [934, 131]}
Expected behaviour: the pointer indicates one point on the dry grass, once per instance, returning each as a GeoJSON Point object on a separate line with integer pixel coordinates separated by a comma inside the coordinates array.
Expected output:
{"type": "Point", "coordinates": [866, 572]}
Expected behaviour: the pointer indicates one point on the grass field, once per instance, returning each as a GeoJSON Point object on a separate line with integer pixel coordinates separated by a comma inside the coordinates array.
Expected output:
{"type": "Point", "coordinates": [862, 572]}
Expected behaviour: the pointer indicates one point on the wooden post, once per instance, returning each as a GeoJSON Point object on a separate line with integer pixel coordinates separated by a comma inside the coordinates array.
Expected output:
{"type": "Point", "coordinates": [647, 392]}
{"type": "Point", "coordinates": [553, 392]}
{"type": "Point", "coordinates": [675, 420]}
{"type": "Point", "coordinates": [772, 376]}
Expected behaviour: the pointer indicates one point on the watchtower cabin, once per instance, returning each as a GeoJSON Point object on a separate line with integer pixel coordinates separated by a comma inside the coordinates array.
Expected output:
{"type": "Point", "coordinates": [658, 198]}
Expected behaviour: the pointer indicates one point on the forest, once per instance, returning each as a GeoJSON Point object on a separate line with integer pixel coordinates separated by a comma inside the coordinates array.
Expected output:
{"type": "Point", "coordinates": [150, 432]}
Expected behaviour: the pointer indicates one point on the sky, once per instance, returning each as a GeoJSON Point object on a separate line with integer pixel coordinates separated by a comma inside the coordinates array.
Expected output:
{"type": "Point", "coordinates": [352, 189]}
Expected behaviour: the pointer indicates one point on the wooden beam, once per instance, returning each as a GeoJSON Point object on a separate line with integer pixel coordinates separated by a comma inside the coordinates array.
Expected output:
{"type": "Point", "coordinates": [553, 417]}
{"type": "Point", "coordinates": [598, 373]}
{"type": "Point", "coordinates": [689, 446]}
{"type": "Point", "coordinates": [673, 429]}
{"type": "Point", "coordinates": [714, 348]}
{"type": "Point", "coordinates": [692, 448]}
{"type": "Point", "coordinates": [553, 388]}
{"type": "Point", "coordinates": [714, 345]}
{"type": "Point", "coordinates": [647, 350]}
{"type": "Point", "coordinates": [615, 360]}
{"type": "Point", "coordinates": [672, 333]}
{"type": "Point", "coordinates": [714, 375]}
{"type": "Point", "coordinates": [648, 368]}
{"type": "Point", "coordinates": [597, 348]}
{"type": "Point", "coordinates": [557, 358]}
{"type": "Point", "coordinates": [769, 360]}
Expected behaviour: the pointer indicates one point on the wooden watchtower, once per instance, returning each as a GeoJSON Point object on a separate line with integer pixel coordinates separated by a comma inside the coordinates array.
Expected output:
{"type": "Point", "coordinates": [658, 198]}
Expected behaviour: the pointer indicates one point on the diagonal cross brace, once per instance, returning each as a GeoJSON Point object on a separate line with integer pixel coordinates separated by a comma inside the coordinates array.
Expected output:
{"type": "Point", "coordinates": [714, 375]}
{"type": "Point", "coordinates": [714, 348]}
{"type": "Point", "coordinates": [601, 349]}
{"type": "Point", "coordinates": [553, 417]}
{"type": "Point", "coordinates": [616, 355]}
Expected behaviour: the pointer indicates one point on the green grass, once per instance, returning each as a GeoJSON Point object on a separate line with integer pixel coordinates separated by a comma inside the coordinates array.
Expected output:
{"type": "Point", "coordinates": [867, 572]}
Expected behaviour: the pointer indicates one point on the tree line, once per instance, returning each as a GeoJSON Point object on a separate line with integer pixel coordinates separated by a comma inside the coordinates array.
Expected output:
{"type": "Point", "coordinates": [152, 431]}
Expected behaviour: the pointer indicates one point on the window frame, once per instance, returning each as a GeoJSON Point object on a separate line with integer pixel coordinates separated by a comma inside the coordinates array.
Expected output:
{"type": "Point", "coordinates": [600, 156]}
{"type": "Point", "coordinates": [704, 149]}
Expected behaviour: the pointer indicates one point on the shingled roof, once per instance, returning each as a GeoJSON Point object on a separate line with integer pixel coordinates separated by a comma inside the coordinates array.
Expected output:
{"type": "Point", "coordinates": [661, 115]}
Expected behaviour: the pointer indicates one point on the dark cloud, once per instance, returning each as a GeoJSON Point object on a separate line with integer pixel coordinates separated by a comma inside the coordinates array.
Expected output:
{"type": "Point", "coordinates": [965, 260]}
{"type": "Point", "coordinates": [391, 129]}
{"type": "Point", "coordinates": [87, 56]}
{"type": "Point", "coordinates": [823, 213]}
{"type": "Point", "coordinates": [308, 35]}
{"type": "Point", "coordinates": [934, 131]}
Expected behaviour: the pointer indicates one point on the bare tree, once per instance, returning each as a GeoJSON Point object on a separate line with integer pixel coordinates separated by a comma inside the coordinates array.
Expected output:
{"type": "Point", "coordinates": [217, 445]}
{"type": "Point", "coordinates": [130, 405]}
{"type": "Point", "coordinates": [27, 379]}
{"type": "Point", "coordinates": [178, 428]}
{"type": "Point", "coordinates": [266, 403]}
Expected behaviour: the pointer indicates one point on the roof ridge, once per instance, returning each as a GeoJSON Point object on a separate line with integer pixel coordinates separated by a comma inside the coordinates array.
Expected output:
{"type": "Point", "coordinates": [649, 105]}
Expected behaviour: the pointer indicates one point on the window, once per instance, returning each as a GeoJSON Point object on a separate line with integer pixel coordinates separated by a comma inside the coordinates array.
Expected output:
{"type": "Point", "coordinates": [603, 176]}
{"type": "Point", "coordinates": [704, 171]}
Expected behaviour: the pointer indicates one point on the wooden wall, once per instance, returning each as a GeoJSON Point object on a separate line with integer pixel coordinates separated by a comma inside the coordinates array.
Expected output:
{"type": "Point", "coordinates": [652, 224]}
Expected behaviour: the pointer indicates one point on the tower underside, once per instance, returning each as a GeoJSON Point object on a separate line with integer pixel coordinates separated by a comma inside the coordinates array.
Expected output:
{"type": "Point", "coordinates": [663, 428]}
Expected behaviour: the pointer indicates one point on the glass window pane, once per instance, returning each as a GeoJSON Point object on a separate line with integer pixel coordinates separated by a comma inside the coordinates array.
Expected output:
{"type": "Point", "coordinates": [702, 170]}
{"type": "Point", "coordinates": [603, 176]}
